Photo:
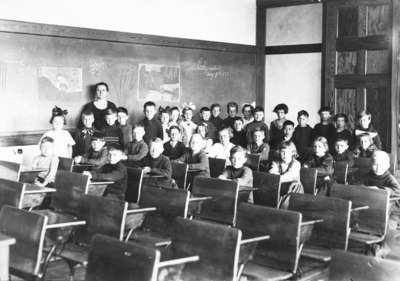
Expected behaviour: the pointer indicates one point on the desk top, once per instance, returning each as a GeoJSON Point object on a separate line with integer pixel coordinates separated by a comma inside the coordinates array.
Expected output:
{"type": "Point", "coordinates": [6, 240]}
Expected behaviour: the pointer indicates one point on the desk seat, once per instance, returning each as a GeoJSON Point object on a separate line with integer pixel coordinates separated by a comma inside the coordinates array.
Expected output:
{"type": "Point", "coordinates": [365, 238]}
{"type": "Point", "coordinates": [150, 237]}
{"type": "Point", "coordinates": [76, 254]}
{"type": "Point", "coordinates": [317, 253]}
{"type": "Point", "coordinates": [260, 273]}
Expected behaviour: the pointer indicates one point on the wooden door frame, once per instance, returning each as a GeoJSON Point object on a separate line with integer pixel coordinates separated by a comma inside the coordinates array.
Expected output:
{"type": "Point", "coordinates": [262, 50]}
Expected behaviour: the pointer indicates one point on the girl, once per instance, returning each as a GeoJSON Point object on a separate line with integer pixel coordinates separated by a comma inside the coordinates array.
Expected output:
{"type": "Point", "coordinates": [277, 125]}
{"type": "Point", "coordinates": [174, 119]}
{"type": "Point", "coordinates": [289, 170]}
{"type": "Point", "coordinates": [222, 148]}
{"type": "Point", "coordinates": [187, 125]}
{"type": "Point", "coordinates": [248, 112]}
{"type": "Point", "coordinates": [63, 140]}
{"type": "Point", "coordinates": [164, 118]}
{"type": "Point", "coordinates": [202, 130]}
{"type": "Point", "coordinates": [323, 161]}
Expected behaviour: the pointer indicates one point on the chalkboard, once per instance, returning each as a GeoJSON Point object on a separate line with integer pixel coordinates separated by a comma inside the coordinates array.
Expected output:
{"type": "Point", "coordinates": [40, 70]}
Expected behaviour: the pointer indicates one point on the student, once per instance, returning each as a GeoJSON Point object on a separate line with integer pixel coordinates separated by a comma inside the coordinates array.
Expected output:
{"type": "Point", "coordinates": [137, 149]}
{"type": "Point", "coordinates": [365, 126]}
{"type": "Point", "coordinates": [258, 146]}
{"type": "Point", "coordinates": [202, 130]}
{"type": "Point", "coordinates": [122, 115]}
{"type": "Point", "coordinates": [151, 125]}
{"type": "Point", "coordinates": [97, 154]}
{"type": "Point", "coordinates": [248, 114]}
{"type": "Point", "coordinates": [303, 136]}
{"type": "Point", "coordinates": [196, 157]}
{"type": "Point", "coordinates": [342, 132]}
{"type": "Point", "coordinates": [380, 177]}
{"type": "Point", "coordinates": [174, 116]}
{"type": "Point", "coordinates": [277, 125]}
{"type": "Point", "coordinates": [187, 125]}
{"type": "Point", "coordinates": [112, 133]}
{"type": "Point", "coordinates": [323, 161]}
{"type": "Point", "coordinates": [289, 169]}
{"type": "Point", "coordinates": [205, 114]}
{"type": "Point", "coordinates": [222, 148]}
{"type": "Point", "coordinates": [157, 165]}
{"type": "Point", "coordinates": [48, 162]}
{"type": "Point", "coordinates": [100, 105]}
{"type": "Point", "coordinates": [215, 118]}
{"type": "Point", "coordinates": [239, 133]}
{"type": "Point", "coordinates": [257, 123]}
{"type": "Point", "coordinates": [164, 119]}
{"type": "Point", "coordinates": [232, 110]}
{"type": "Point", "coordinates": [83, 136]}
{"type": "Point", "coordinates": [366, 146]}
{"type": "Point", "coordinates": [174, 148]}
{"type": "Point", "coordinates": [287, 135]}
{"type": "Point", "coordinates": [342, 152]}
{"type": "Point", "coordinates": [325, 128]}
{"type": "Point", "coordinates": [114, 171]}
{"type": "Point", "coordinates": [63, 141]}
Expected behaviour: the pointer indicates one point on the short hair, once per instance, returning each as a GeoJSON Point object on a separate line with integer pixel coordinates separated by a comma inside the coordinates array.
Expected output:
{"type": "Point", "coordinates": [98, 136]}
{"type": "Point", "coordinates": [237, 149]}
{"type": "Point", "coordinates": [381, 155]}
{"type": "Point", "coordinates": [228, 129]}
{"type": "Point", "coordinates": [302, 113]}
{"type": "Point", "coordinates": [148, 103]}
{"type": "Point", "coordinates": [341, 115]}
{"type": "Point", "coordinates": [248, 105]}
{"type": "Point", "coordinates": [173, 127]}
{"type": "Point", "coordinates": [365, 135]}
{"type": "Point", "coordinates": [322, 140]}
{"type": "Point", "coordinates": [290, 145]}
{"type": "Point", "coordinates": [157, 141]}
{"type": "Point", "coordinates": [115, 146]}
{"type": "Point", "coordinates": [204, 108]}
{"type": "Point", "coordinates": [214, 105]}
{"type": "Point", "coordinates": [102, 84]}
{"type": "Point", "coordinates": [363, 113]}
{"type": "Point", "coordinates": [325, 109]}
{"type": "Point", "coordinates": [238, 118]}
{"type": "Point", "coordinates": [87, 112]}
{"type": "Point", "coordinates": [122, 109]}
{"type": "Point", "coordinates": [47, 139]}
{"type": "Point", "coordinates": [258, 129]}
{"type": "Point", "coordinates": [110, 111]}
{"type": "Point", "coordinates": [139, 126]}
{"type": "Point", "coordinates": [342, 139]}
{"type": "Point", "coordinates": [281, 106]}
{"type": "Point", "coordinates": [288, 123]}
{"type": "Point", "coordinates": [259, 109]}
{"type": "Point", "coordinates": [232, 104]}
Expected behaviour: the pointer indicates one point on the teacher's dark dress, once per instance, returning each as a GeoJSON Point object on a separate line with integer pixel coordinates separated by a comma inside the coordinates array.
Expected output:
{"type": "Point", "coordinates": [99, 114]}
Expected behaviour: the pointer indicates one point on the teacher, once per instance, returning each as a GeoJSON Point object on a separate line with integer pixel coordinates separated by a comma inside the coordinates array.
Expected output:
{"type": "Point", "coordinates": [100, 105]}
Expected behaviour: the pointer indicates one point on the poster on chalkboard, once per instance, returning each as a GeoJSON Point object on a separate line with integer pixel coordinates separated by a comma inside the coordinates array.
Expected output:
{"type": "Point", "coordinates": [159, 83]}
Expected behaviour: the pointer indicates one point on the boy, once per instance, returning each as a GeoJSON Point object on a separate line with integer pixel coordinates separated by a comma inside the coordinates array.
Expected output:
{"type": "Point", "coordinates": [380, 177]}
{"type": "Point", "coordinates": [364, 126]}
{"type": "Point", "coordinates": [97, 154]}
{"type": "Point", "coordinates": [137, 149]}
{"type": "Point", "coordinates": [341, 120]}
{"type": "Point", "coordinates": [217, 121]}
{"type": "Point", "coordinates": [288, 131]}
{"type": "Point", "coordinates": [325, 128]}
{"type": "Point", "coordinates": [157, 165]}
{"type": "Point", "coordinates": [302, 136]}
{"type": "Point", "coordinates": [196, 157]}
{"type": "Point", "coordinates": [112, 133]}
{"type": "Point", "coordinates": [342, 152]}
{"type": "Point", "coordinates": [366, 147]}
{"type": "Point", "coordinates": [122, 114]}
{"type": "Point", "coordinates": [114, 171]}
{"type": "Point", "coordinates": [232, 109]}
{"type": "Point", "coordinates": [239, 133]}
{"type": "Point", "coordinates": [83, 136]}
{"type": "Point", "coordinates": [257, 123]}
{"type": "Point", "coordinates": [174, 148]}
{"type": "Point", "coordinates": [258, 146]}
{"type": "Point", "coordinates": [205, 115]}
{"type": "Point", "coordinates": [152, 126]}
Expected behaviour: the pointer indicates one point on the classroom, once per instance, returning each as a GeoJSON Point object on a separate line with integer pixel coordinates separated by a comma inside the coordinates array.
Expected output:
{"type": "Point", "coordinates": [200, 140]}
